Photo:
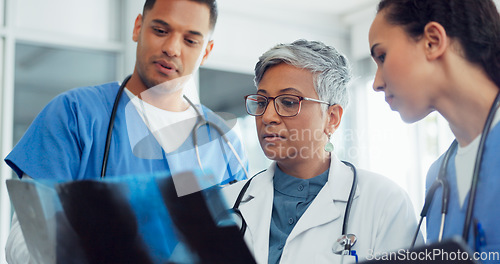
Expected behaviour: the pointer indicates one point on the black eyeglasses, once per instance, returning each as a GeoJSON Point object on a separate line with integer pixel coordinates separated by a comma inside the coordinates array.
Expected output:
{"type": "Point", "coordinates": [286, 105]}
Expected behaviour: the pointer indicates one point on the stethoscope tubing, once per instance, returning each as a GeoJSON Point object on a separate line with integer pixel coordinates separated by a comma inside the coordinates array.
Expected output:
{"type": "Point", "coordinates": [477, 166]}
{"type": "Point", "coordinates": [110, 126]}
{"type": "Point", "coordinates": [202, 122]}
{"type": "Point", "coordinates": [351, 197]}
{"type": "Point", "coordinates": [442, 181]}
{"type": "Point", "coordinates": [347, 213]}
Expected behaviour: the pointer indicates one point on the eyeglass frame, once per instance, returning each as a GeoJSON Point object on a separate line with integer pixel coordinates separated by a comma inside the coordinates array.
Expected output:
{"type": "Point", "coordinates": [269, 98]}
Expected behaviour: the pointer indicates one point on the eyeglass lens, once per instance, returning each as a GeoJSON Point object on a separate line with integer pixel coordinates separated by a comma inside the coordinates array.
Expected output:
{"type": "Point", "coordinates": [285, 105]}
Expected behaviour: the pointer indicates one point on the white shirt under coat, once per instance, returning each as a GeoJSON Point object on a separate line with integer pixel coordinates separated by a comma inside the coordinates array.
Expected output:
{"type": "Point", "coordinates": [382, 217]}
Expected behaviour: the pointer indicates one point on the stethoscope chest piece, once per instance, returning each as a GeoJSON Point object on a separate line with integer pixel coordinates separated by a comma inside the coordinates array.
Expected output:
{"type": "Point", "coordinates": [344, 244]}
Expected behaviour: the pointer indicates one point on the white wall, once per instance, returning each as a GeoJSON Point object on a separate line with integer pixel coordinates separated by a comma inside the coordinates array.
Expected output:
{"type": "Point", "coordinates": [245, 30]}
{"type": "Point", "coordinates": [2, 6]}
{"type": "Point", "coordinates": [91, 24]}
{"type": "Point", "coordinates": [359, 23]}
{"type": "Point", "coordinates": [89, 20]}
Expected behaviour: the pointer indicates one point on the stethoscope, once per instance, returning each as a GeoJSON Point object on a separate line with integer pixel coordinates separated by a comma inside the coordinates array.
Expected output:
{"type": "Point", "coordinates": [201, 121]}
{"type": "Point", "coordinates": [343, 244]}
{"type": "Point", "coordinates": [442, 182]}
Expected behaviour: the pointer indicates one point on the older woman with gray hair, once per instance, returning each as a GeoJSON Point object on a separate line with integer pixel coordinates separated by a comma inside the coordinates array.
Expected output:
{"type": "Point", "coordinates": [308, 206]}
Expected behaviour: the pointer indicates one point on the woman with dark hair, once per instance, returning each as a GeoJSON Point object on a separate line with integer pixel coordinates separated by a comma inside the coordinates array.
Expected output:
{"type": "Point", "coordinates": [444, 55]}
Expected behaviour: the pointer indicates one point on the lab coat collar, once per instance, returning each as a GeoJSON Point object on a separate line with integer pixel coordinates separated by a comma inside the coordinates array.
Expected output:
{"type": "Point", "coordinates": [260, 182]}
{"type": "Point", "coordinates": [259, 202]}
{"type": "Point", "coordinates": [257, 211]}
{"type": "Point", "coordinates": [340, 180]}
{"type": "Point", "coordinates": [324, 208]}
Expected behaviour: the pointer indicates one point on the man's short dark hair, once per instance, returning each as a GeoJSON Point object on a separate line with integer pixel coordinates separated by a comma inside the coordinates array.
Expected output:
{"type": "Point", "coordinates": [212, 5]}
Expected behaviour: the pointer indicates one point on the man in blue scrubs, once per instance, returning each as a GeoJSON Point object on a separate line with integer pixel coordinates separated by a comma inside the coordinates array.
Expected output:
{"type": "Point", "coordinates": [154, 124]}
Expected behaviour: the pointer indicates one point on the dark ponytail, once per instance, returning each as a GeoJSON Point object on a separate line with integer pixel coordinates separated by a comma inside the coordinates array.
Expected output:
{"type": "Point", "coordinates": [474, 23]}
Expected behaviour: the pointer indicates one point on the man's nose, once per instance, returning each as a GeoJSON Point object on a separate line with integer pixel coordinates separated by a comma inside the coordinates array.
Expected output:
{"type": "Point", "coordinates": [172, 45]}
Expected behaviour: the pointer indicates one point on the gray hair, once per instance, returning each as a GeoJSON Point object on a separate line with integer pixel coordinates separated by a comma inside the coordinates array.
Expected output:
{"type": "Point", "coordinates": [331, 70]}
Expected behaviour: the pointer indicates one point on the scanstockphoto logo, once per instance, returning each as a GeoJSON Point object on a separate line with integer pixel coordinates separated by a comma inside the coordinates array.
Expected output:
{"type": "Point", "coordinates": [295, 135]}
{"type": "Point", "coordinates": [154, 136]}
{"type": "Point", "coordinates": [309, 151]}
{"type": "Point", "coordinates": [351, 144]}
{"type": "Point", "coordinates": [312, 143]}
{"type": "Point", "coordinates": [436, 254]}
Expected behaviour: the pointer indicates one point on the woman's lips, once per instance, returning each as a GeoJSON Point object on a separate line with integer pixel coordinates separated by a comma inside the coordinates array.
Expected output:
{"type": "Point", "coordinates": [272, 137]}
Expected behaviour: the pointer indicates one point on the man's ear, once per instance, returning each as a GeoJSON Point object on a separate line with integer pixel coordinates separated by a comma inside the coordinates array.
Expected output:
{"type": "Point", "coordinates": [435, 39]}
{"type": "Point", "coordinates": [208, 49]}
{"type": "Point", "coordinates": [334, 116]}
{"type": "Point", "coordinates": [137, 28]}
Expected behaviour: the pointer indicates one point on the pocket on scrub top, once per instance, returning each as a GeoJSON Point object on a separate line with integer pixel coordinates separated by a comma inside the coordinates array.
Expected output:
{"type": "Point", "coordinates": [329, 258]}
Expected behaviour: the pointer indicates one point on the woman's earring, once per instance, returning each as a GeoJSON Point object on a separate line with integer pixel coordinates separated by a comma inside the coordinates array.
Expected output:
{"type": "Point", "coordinates": [329, 145]}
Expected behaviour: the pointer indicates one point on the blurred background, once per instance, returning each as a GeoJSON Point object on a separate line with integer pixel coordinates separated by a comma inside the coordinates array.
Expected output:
{"type": "Point", "coordinates": [47, 47]}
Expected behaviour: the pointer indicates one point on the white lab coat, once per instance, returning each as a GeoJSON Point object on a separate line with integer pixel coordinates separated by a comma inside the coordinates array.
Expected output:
{"type": "Point", "coordinates": [382, 217]}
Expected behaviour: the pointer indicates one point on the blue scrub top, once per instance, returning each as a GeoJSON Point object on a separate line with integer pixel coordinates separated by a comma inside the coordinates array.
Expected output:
{"type": "Point", "coordinates": [66, 142]}
{"type": "Point", "coordinates": [486, 210]}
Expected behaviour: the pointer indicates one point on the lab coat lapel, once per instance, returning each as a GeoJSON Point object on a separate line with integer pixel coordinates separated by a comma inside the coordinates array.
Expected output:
{"type": "Point", "coordinates": [257, 210]}
{"type": "Point", "coordinates": [329, 204]}
{"type": "Point", "coordinates": [340, 179]}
